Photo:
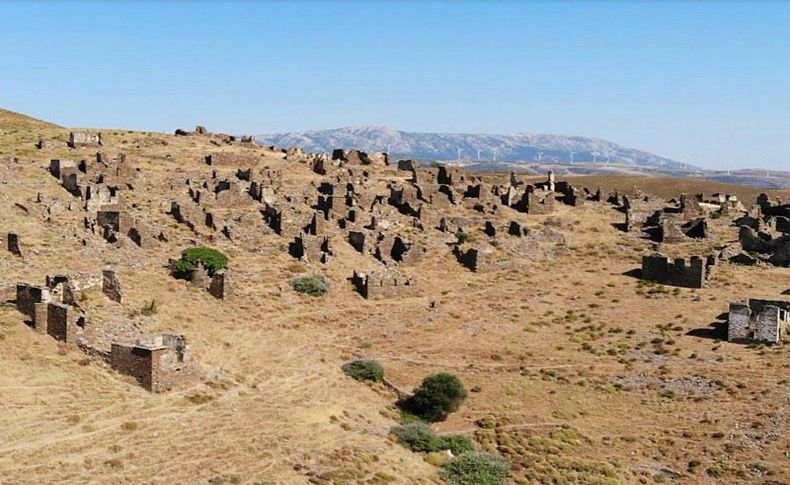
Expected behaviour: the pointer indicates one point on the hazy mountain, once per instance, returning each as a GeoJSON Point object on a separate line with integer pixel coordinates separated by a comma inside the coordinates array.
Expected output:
{"type": "Point", "coordinates": [473, 147]}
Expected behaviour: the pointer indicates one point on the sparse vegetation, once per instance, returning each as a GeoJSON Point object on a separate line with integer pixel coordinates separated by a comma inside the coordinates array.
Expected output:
{"type": "Point", "coordinates": [210, 259]}
{"type": "Point", "coordinates": [364, 370]}
{"type": "Point", "coordinates": [314, 285]}
{"type": "Point", "coordinates": [476, 469]}
{"type": "Point", "coordinates": [421, 437]}
{"type": "Point", "coordinates": [150, 308]}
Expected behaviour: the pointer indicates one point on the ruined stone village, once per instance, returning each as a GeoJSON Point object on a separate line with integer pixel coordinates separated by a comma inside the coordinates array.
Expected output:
{"type": "Point", "coordinates": [94, 224]}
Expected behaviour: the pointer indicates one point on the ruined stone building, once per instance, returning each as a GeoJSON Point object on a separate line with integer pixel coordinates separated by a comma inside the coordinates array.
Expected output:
{"type": "Point", "coordinates": [383, 284]}
{"type": "Point", "coordinates": [759, 321]}
{"type": "Point", "coordinates": [84, 138]}
{"type": "Point", "coordinates": [158, 363]}
{"type": "Point", "coordinates": [658, 268]}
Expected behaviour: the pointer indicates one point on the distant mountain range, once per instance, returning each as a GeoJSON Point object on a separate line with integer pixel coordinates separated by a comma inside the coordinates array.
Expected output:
{"type": "Point", "coordinates": [470, 147]}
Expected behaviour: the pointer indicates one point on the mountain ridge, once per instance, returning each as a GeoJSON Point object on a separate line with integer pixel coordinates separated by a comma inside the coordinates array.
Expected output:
{"type": "Point", "coordinates": [470, 146]}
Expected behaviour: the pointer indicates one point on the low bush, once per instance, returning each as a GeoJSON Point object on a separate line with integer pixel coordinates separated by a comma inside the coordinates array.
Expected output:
{"type": "Point", "coordinates": [150, 308]}
{"type": "Point", "coordinates": [211, 259]}
{"type": "Point", "coordinates": [457, 443]}
{"type": "Point", "coordinates": [417, 437]}
{"type": "Point", "coordinates": [364, 370]}
{"type": "Point", "coordinates": [421, 437]}
{"type": "Point", "coordinates": [315, 285]}
{"type": "Point", "coordinates": [476, 469]}
{"type": "Point", "coordinates": [438, 395]}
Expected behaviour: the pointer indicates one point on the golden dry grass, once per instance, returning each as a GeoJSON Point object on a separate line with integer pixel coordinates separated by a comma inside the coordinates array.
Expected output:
{"type": "Point", "coordinates": [543, 343]}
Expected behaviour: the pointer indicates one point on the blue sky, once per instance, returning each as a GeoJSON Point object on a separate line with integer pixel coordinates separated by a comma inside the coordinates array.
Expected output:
{"type": "Point", "coordinates": [705, 80]}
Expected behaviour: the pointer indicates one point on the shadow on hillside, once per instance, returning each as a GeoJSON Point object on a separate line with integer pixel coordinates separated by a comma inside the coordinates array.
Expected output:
{"type": "Point", "coordinates": [620, 226]}
{"type": "Point", "coordinates": [786, 292]}
{"type": "Point", "coordinates": [716, 331]}
{"type": "Point", "coordinates": [634, 273]}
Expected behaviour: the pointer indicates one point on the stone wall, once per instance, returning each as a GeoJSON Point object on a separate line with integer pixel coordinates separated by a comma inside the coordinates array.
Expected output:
{"type": "Point", "coordinates": [761, 321]}
{"type": "Point", "coordinates": [60, 323]}
{"type": "Point", "coordinates": [27, 296]}
{"type": "Point", "coordinates": [84, 138]}
{"type": "Point", "coordinates": [387, 284]}
{"type": "Point", "coordinates": [657, 268]}
{"type": "Point", "coordinates": [158, 364]}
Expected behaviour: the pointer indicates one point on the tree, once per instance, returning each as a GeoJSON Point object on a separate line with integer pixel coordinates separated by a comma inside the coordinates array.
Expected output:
{"type": "Point", "coordinates": [438, 395]}
{"type": "Point", "coordinates": [211, 259]}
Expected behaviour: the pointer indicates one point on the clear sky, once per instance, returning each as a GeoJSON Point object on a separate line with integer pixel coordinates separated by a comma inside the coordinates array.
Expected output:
{"type": "Point", "coordinates": [705, 80]}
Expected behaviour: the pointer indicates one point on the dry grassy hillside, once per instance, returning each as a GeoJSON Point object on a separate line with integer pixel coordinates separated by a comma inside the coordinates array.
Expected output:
{"type": "Point", "coordinates": [579, 373]}
{"type": "Point", "coordinates": [669, 187]}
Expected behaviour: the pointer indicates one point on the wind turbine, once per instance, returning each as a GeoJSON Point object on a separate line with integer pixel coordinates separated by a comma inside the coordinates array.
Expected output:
{"type": "Point", "coordinates": [495, 149]}
{"type": "Point", "coordinates": [540, 156]}
{"type": "Point", "coordinates": [389, 146]}
{"type": "Point", "coordinates": [687, 159]}
{"type": "Point", "coordinates": [572, 153]}
{"type": "Point", "coordinates": [728, 167]}
{"type": "Point", "coordinates": [478, 154]}
{"type": "Point", "coordinates": [459, 154]}
{"type": "Point", "coordinates": [595, 157]}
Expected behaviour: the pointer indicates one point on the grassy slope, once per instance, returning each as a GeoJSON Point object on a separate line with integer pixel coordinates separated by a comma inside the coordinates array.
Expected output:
{"type": "Point", "coordinates": [279, 406]}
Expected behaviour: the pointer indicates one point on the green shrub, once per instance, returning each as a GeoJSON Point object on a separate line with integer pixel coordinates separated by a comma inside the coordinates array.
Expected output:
{"type": "Point", "coordinates": [211, 259]}
{"type": "Point", "coordinates": [457, 443]}
{"type": "Point", "coordinates": [419, 436]}
{"type": "Point", "coordinates": [150, 308]}
{"type": "Point", "coordinates": [364, 370]}
{"type": "Point", "coordinates": [461, 236]}
{"type": "Point", "coordinates": [437, 396]}
{"type": "Point", "coordinates": [476, 469]}
{"type": "Point", "coordinates": [315, 285]}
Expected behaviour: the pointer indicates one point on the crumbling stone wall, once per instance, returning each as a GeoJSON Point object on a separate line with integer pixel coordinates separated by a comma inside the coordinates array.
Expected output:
{"type": "Point", "coordinates": [111, 286]}
{"type": "Point", "coordinates": [357, 157]}
{"type": "Point", "coordinates": [479, 259]}
{"type": "Point", "coordinates": [158, 364]}
{"type": "Point", "coordinates": [761, 321]}
{"type": "Point", "coordinates": [12, 240]}
{"type": "Point", "coordinates": [84, 138]}
{"type": "Point", "coordinates": [28, 295]}
{"type": "Point", "coordinates": [56, 167]}
{"type": "Point", "coordinates": [657, 267]}
{"type": "Point", "coordinates": [60, 323]}
{"type": "Point", "coordinates": [387, 284]}
{"type": "Point", "coordinates": [220, 286]}
{"type": "Point", "coordinates": [311, 248]}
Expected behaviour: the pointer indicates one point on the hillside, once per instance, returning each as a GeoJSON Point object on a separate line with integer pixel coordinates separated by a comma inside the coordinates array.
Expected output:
{"type": "Point", "coordinates": [446, 146]}
{"type": "Point", "coordinates": [10, 120]}
{"type": "Point", "coordinates": [577, 370]}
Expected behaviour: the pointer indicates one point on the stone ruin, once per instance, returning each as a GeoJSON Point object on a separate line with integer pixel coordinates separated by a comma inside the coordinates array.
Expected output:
{"type": "Point", "coordinates": [657, 267]}
{"type": "Point", "coordinates": [480, 259]}
{"type": "Point", "coordinates": [219, 284]}
{"type": "Point", "coordinates": [84, 138]}
{"type": "Point", "coordinates": [100, 184]}
{"type": "Point", "coordinates": [12, 243]}
{"type": "Point", "coordinates": [158, 363]}
{"type": "Point", "coordinates": [675, 229]}
{"type": "Point", "coordinates": [674, 224]}
{"type": "Point", "coordinates": [758, 321]}
{"type": "Point", "coordinates": [111, 287]}
{"type": "Point", "coordinates": [764, 234]}
{"type": "Point", "coordinates": [383, 284]}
